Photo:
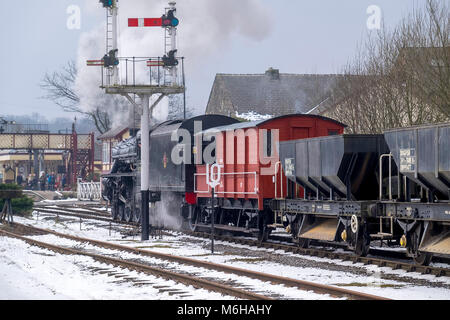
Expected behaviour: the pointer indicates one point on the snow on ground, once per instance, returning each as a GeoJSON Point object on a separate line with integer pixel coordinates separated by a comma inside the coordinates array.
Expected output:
{"type": "Point", "coordinates": [28, 272]}
{"type": "Point", "coordinates": [59, 201]}
{"type": "Point", "coordinates": [183, 245]}
{"type": "Point", "coordinates": [245, 283]}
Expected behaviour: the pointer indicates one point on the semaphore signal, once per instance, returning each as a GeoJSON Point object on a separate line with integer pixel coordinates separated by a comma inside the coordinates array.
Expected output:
{"type": "Point", "coordinates": [144, 22]}
{"type": "Point", "coordinates": [110, 60]}
{"type": "Point", "coordinates": [167, 20]}
{"type": "Point", "coordinates": [169, 63]}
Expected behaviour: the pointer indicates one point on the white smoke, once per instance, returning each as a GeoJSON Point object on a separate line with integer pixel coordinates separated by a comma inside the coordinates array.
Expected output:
{"type": "Point", "coordinates": [167, 212]}
{"type": "Point", "coordinates": [206, 28]}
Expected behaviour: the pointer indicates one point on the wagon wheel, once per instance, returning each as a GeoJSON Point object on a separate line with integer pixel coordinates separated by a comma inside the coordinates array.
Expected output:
{"type": "Point", "coordinates": [362, 246]}
{"type": "Point", "coordinates": [419, 257]}
{"type": "Point", "coordinates": [264, 231]}
{"type": "Point", "coordinates": [263, 234]}
{"type": "Point", "coordinates": [303, 243]}
{"type": "Point", "coordinates": [423, 258]}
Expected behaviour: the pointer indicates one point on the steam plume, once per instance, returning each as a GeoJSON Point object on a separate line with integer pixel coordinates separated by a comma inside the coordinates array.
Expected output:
{"type": "Point", "coordinates": [207, 28]}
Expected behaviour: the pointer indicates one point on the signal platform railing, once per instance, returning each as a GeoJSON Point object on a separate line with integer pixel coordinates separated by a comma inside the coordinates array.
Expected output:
{"type": "Point", "coordinates": [145, 71]}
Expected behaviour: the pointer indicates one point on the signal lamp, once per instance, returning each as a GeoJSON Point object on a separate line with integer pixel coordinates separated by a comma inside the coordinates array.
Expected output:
{"type": "Point", "coordinates": [169, 20]}
{"type": "Point", "coordinates": [106, 3]}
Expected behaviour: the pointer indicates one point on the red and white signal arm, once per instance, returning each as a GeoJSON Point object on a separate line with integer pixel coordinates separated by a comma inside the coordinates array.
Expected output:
{"type": "Point", "coordinates": [145, 22]}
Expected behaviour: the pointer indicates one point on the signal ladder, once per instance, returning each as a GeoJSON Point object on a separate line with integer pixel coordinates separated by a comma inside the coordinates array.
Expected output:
{"type": "Point", "coordinates": [169, 75]}
{"type": "Point", "coordinates": [109, 41]}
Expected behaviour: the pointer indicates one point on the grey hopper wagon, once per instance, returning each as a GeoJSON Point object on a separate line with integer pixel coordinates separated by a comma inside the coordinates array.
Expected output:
{"type": "Point", "coordinates": [422, 154]}
{"type": "Point", "coordinates": [335, 167]}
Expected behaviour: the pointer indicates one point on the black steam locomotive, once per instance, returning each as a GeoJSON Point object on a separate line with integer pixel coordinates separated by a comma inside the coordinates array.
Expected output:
{"type": "Point", "coordinates": [171, 185]}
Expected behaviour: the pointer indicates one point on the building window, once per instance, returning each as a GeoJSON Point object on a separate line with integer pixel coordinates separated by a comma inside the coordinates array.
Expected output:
{"type": "Point", "coordinates": [106, 154]}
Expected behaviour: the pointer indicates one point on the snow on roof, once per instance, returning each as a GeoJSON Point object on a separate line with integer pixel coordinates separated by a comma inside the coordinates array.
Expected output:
{"type": "Point", "coordinates": [253, 116]}
{"type": "Point", "coordinates": [113, 133]}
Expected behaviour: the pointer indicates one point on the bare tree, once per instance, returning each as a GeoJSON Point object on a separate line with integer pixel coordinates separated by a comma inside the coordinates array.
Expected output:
{"type": "Point", "coordinates": [59, 87]}
{"type": "Point", "coordinates": [399, 77]}
{"type": "Point", "coordinates": [176, 108]}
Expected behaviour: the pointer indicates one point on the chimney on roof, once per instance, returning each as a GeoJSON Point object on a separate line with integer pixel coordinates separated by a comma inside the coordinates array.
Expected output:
{"type": "Point", "coordinates": [274, 74]}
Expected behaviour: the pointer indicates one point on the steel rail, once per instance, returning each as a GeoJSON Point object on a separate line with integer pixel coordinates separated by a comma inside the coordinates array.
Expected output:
{"type": "Point", "coordinates": [76, 210]}
{"type": "Point", "coordinates": [395, 265]}
{"type": "Point", "coordinates": [85, 215]}
{"type": "Point", "coordinates": [300, 284]}
{"type": "Point", "coordinates": [345, 256]}
{"type": "Point", "coordinates": [169, 275]}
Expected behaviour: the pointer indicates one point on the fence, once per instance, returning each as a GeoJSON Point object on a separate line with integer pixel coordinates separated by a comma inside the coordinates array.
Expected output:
{"type": "Point", "coordinates": [23, 128]}
{"type": "Point", "coordinates": [89, 191]}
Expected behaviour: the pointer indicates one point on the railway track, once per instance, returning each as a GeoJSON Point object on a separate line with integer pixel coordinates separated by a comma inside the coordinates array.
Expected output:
{"type": "Point", "coordinates": [81, 214]}
{"type": "Point", "coordinates": [334, 255]}
{"type": "Point", "coordinates": [76, 209]}
{"type": "Point", "coordinates": [130, 265]}
{"type": "Point", "coordinates": [186, 279]}
{"type": "Point", "coordinates": [397, 262]}
{"type": "Point", "coordinates": [89, 208]}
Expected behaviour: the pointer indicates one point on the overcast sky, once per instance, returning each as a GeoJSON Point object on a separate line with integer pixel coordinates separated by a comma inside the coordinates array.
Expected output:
{"type": "Point", "coordinates": [297, 36]}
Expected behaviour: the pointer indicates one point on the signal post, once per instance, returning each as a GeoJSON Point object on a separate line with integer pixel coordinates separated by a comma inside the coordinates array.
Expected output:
{"type": "Point", "coordinates": [169, 84]}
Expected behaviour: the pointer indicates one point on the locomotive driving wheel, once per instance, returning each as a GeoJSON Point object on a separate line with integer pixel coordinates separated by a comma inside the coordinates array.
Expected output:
{"type": "Point", "coordinates": [121, 211]}
{"type": "Point", "coordinates": [128, 212]}
{"type": "Point", "coordinates": [115, 211]}
{"type": "Point", "coordinates": [137, 215]}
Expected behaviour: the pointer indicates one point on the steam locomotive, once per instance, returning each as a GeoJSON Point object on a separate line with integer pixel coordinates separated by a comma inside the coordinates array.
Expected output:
{"type": "Point", "coordinates": [171, 185]}
{"type": "Point", "coordinates": [297, 172]}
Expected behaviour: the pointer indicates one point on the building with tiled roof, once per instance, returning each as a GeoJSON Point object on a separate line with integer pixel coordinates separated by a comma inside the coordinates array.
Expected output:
{"type": "Point", "coordinates": [272, 93]}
